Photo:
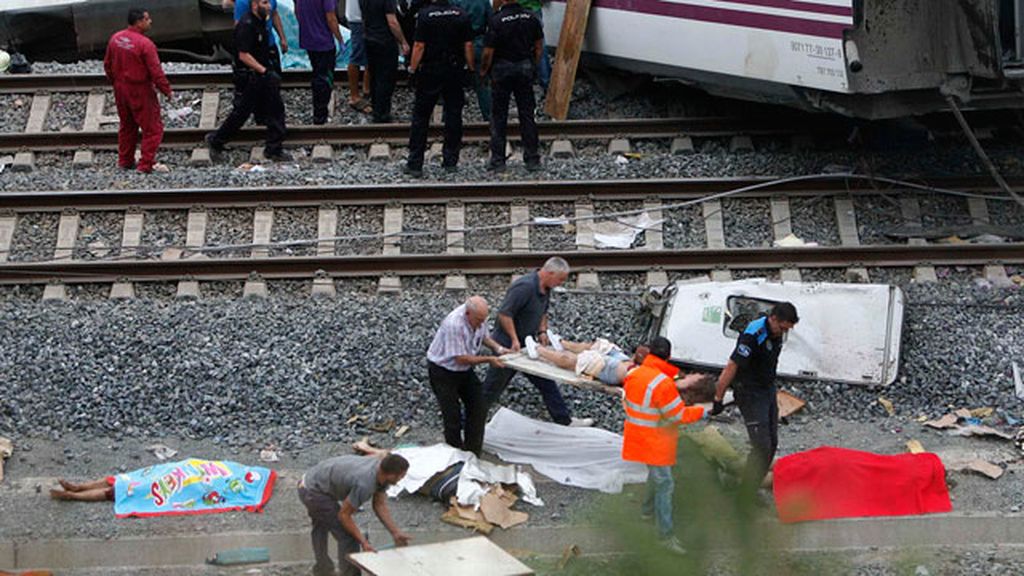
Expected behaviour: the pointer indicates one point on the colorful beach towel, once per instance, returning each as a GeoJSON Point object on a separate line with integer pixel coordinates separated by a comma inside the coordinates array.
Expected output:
{"type": "Point", "coordinates": [832, 482]}
{"type": "Point", "coordinates": [192, 486]}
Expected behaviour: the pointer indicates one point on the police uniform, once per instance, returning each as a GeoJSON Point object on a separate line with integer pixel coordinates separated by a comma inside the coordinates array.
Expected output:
{"type": "Point", "coordinates": [513, 33]}
{"type": "Point", "coordinates": [446, 34]}
{"type": "Point", "coordinates": [261, 94]}
{"type": "Point", "coordinates": [757, 356]}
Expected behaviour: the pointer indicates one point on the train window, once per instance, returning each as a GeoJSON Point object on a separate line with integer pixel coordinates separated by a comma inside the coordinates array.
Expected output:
{"type": "Point", "coordinates": [742, 310]}
{"type": "Point", "coordinates": [1011, 30]}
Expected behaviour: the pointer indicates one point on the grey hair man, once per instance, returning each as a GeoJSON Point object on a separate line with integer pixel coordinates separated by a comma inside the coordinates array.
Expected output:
{"type": "Point", "coordinates": [450, 360]}
{"type": "Point", "coordinates": [524, 312]}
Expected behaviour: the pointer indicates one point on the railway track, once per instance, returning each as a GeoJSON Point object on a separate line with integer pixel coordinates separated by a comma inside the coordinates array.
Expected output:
{"type": "Point", "coordinates": [194, 259]}
{"type": "Point", "coordinates": [197, 80]}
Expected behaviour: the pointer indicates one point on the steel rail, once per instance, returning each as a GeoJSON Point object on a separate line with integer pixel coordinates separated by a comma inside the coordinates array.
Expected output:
{"type": "Point", "coordinates": [91, 271]}
{"type": "Point", "coordinates": [440, 193]}
{"type": "Point", "coordinates": [195, 80]}
{"type": "Point", "coordinates": [399, 133]}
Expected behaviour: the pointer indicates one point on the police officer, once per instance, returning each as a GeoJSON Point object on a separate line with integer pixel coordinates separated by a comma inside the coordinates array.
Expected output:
{"type": "Point", "coordinates": [441, 52]}
{"type": "Point", "coordinates": [751, 373]}
{"type": "Point", "coordinates": [513, 45]}
{"type": "Point", "coordinates": [262, 92]}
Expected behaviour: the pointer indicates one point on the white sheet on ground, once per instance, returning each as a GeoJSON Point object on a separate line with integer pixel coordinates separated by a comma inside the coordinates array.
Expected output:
{"type": "Point", "coordinates": [583, 457]}
{"type": "Point", "coordinates": [425, 461]}
{"type": "Point", "coordinates": [621, 232]}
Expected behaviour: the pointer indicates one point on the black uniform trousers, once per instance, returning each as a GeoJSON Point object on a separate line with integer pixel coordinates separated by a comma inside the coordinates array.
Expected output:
{"type": "Point", "coordinates": [241, 77]}
{"type": "Point", "coordinates": [760, 411]}
{"type": "Point", "coordinates": [261, 95]}
{"type": "Point", "coordinates": [508, 79]}
{"type": "Point", "coordinates": [322, 83]}
{"type": "Point", "coordinates": [432, 83]}
{"type": "Point", "coordinates": [451, 388]}
{"type": "Point", "coordinates": [323, 511]}
{"type": "Point", "coordinates": [382, 62]}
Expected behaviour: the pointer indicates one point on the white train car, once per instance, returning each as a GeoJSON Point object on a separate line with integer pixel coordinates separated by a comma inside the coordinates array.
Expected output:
{"type": "Point", "coordinates": [868, 58]}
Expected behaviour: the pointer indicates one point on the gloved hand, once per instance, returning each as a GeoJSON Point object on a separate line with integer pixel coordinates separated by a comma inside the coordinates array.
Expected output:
{"type": "Point", "coordinates": [717, 408]}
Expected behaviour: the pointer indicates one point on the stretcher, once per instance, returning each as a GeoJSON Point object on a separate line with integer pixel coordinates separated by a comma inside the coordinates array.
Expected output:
{"type": "Point", "coordinates": [523, 363]}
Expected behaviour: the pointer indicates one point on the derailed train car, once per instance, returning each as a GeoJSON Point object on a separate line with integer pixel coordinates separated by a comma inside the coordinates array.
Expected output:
{"type": "Point", "coordinates": [67, 29]}
{"type": "Point", "coordinates": [864, 58]}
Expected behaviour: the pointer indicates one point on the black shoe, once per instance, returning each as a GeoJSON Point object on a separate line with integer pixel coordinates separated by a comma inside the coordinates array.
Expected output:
{"type": "Point", "coordinates": [413, 172]}
{"type": "Point", "coordinates": [496, 168]}
{"type": "Point", "coordinates": [278, 156]}
{"type": "Point", "coordinates": [216, 149]}
{"type": "Point", "coordinates": [533, 166]}
{"type": "Point", "coordinates": [450, 168]}
{"type": "Point", "coordinates": [319, 121]}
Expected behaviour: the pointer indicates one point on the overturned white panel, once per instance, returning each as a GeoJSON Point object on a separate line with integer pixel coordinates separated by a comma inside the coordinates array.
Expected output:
{"type": "Point", "coordinates": [847, 332]}
{"type": "Point", "coordinates": [584, 457]}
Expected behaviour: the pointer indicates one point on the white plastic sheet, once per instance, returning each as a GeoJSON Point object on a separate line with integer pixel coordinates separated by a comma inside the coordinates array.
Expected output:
{"type": "Point", "coordinates": [583, 457]}
{"type": "Point", "coordinates": [621, 232]}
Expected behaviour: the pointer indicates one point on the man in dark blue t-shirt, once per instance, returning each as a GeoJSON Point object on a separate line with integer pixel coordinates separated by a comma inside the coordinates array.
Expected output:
{"type": "Point", "coordinates": [383, 38]}
{"type": "Point", "coordinates": [751, 373]}
{"type": "Point", "coordinates": [524, 313]}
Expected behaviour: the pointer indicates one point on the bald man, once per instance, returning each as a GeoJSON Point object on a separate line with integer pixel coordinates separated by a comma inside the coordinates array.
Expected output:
{"type": "Point", "coordinates": [450, 361]}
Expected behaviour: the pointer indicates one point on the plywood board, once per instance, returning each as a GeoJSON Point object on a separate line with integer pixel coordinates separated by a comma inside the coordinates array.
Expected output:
{"type": "Point", "coordinates": [788, 404]}
{"type": "Point", "coordinates": [520, 361]}
{"type": "Point", "coordinates": [469, 556]}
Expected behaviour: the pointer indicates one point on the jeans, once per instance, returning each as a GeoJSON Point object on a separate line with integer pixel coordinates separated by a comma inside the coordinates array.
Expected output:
{"type": "Point", "coordinates": [323, 82]}
{"type": "Point", "coordinates": [497, 380]}
{"type": "Point", "coordinates": [513, 78]}
{"type": "Point", "coordinates": [261, 95]}
{"type": "Point", "coordinates": [382, 62]}
{"type": "Point", "coordinates": [544, 66]}
{"type": "Point", "coordinates": [323, 511]}
{"type": "Point", "coordinates": [455, 391]}
{"type": "Point", "coordinates": [760, 412]}
{"type": "Point", "coordinates": [660, 488]}
{"type": "Point", "coordinates": [430, 85]}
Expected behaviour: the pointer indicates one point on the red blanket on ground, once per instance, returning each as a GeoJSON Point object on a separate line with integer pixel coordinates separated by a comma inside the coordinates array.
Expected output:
{"type": "Point", "coordinates": [832, 482]}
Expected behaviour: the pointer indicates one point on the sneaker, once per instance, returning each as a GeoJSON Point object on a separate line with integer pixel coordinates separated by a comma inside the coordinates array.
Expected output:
{"type": "Point", "coordinates": [673, 545]}
{"type": "Point", "coordinates": [413, 172]}
{"type": "Point", "coordinates": [556, 341]}
{"type": "Point", "coordinates": [216, 148]}
{"type": "Point", "coordinates": [581, 423]}
{"type": "Point", "coordinates": [531, 348]}
{"type": "Point", "coordinates": [279, 156]}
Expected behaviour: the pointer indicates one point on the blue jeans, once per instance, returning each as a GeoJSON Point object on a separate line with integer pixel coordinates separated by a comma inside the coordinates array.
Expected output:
{"type": "Point", "coordinates": [658, 502]}
{"type": "Point", "coordinates": [544, 66]}
{"type": "Point", "coordinates": [497, 379]}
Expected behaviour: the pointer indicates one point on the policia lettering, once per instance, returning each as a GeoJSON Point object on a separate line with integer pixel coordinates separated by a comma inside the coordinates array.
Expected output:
{"type": "Point", "coordinates": [442, 52]}
{"type": "Point", "coordinates": [751, 372]}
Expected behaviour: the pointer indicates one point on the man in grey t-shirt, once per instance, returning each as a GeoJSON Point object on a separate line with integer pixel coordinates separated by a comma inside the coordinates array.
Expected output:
{"type": "Point", "coordinates": [333, 491]}
{"type": "Point", "coordinates": [524, 312]}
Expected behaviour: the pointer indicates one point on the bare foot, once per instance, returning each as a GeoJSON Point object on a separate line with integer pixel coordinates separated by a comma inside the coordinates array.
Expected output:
{"type": "Point", "coordinates": [59, 495]}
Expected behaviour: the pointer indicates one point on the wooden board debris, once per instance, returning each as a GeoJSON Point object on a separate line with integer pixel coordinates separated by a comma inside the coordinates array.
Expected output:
{"type": "Point", "coordinates": [887, 404]}
{"type": "Point", "coordinates": [567, 57]}
{"type": "Point", "coordinates": [788, 403]}
{"type": "Point", "coordinates": [914, 447]}
{"type": "Point", "coordinates": [947, 421]}
{"type": "Point", "coordinates": [468, 556]}
{"type": "Point", "coordinates": [982, 467]}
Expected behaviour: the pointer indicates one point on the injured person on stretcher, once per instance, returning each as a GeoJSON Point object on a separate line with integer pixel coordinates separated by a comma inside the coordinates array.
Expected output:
{"type": "Point", "coordinates": [608, 363]}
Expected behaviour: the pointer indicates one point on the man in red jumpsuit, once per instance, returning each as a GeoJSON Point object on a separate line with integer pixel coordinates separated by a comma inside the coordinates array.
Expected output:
{"type": "Point", "coordinates": [133, 66]}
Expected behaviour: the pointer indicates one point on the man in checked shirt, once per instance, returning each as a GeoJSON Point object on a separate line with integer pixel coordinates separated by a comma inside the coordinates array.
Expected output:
{"type": "Point", "coordinates": [450, 361]}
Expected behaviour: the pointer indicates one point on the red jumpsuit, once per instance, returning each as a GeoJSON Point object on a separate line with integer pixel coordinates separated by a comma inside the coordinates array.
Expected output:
{"type": "Point", "coordinates": [133, 66]}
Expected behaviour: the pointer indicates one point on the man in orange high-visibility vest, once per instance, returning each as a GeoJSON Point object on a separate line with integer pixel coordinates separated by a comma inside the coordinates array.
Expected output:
{"type": "Point", "coordinates": [654, 412]}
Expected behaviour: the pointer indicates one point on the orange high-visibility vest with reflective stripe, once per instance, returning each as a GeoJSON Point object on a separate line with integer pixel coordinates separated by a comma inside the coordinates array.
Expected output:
{"type": "Point", "coordinates": [654, 412]}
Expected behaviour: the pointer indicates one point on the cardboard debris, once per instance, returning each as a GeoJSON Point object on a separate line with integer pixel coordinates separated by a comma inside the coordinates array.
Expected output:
{"type": "Point", "coordinates": [382, 426]}
{"type": "Point", "coordinates": [466, 517]}
{"type": "Point", "coordinates": [401, 430]}
{"type": "Point", "coordinates": [6, 449]}
{"type": "Point", "coordinates": [914, 447]}
{"type": "Point", "coordinates": [947, 421]}
{"type": "Point", "coordinates": [496, 511]}
{"type": "Point", "coordinates": [962, 413]}
{"type": "Point", "coordinates": [980, 466]}
{"type": "Point", "coordinates": [887, 404]}
{"type": "Point", "coordinates": [162, 451]}
{"type": "Point", "coordinates": [982, 412]}
{"type": "Point", "coordinates": [788, 403]}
